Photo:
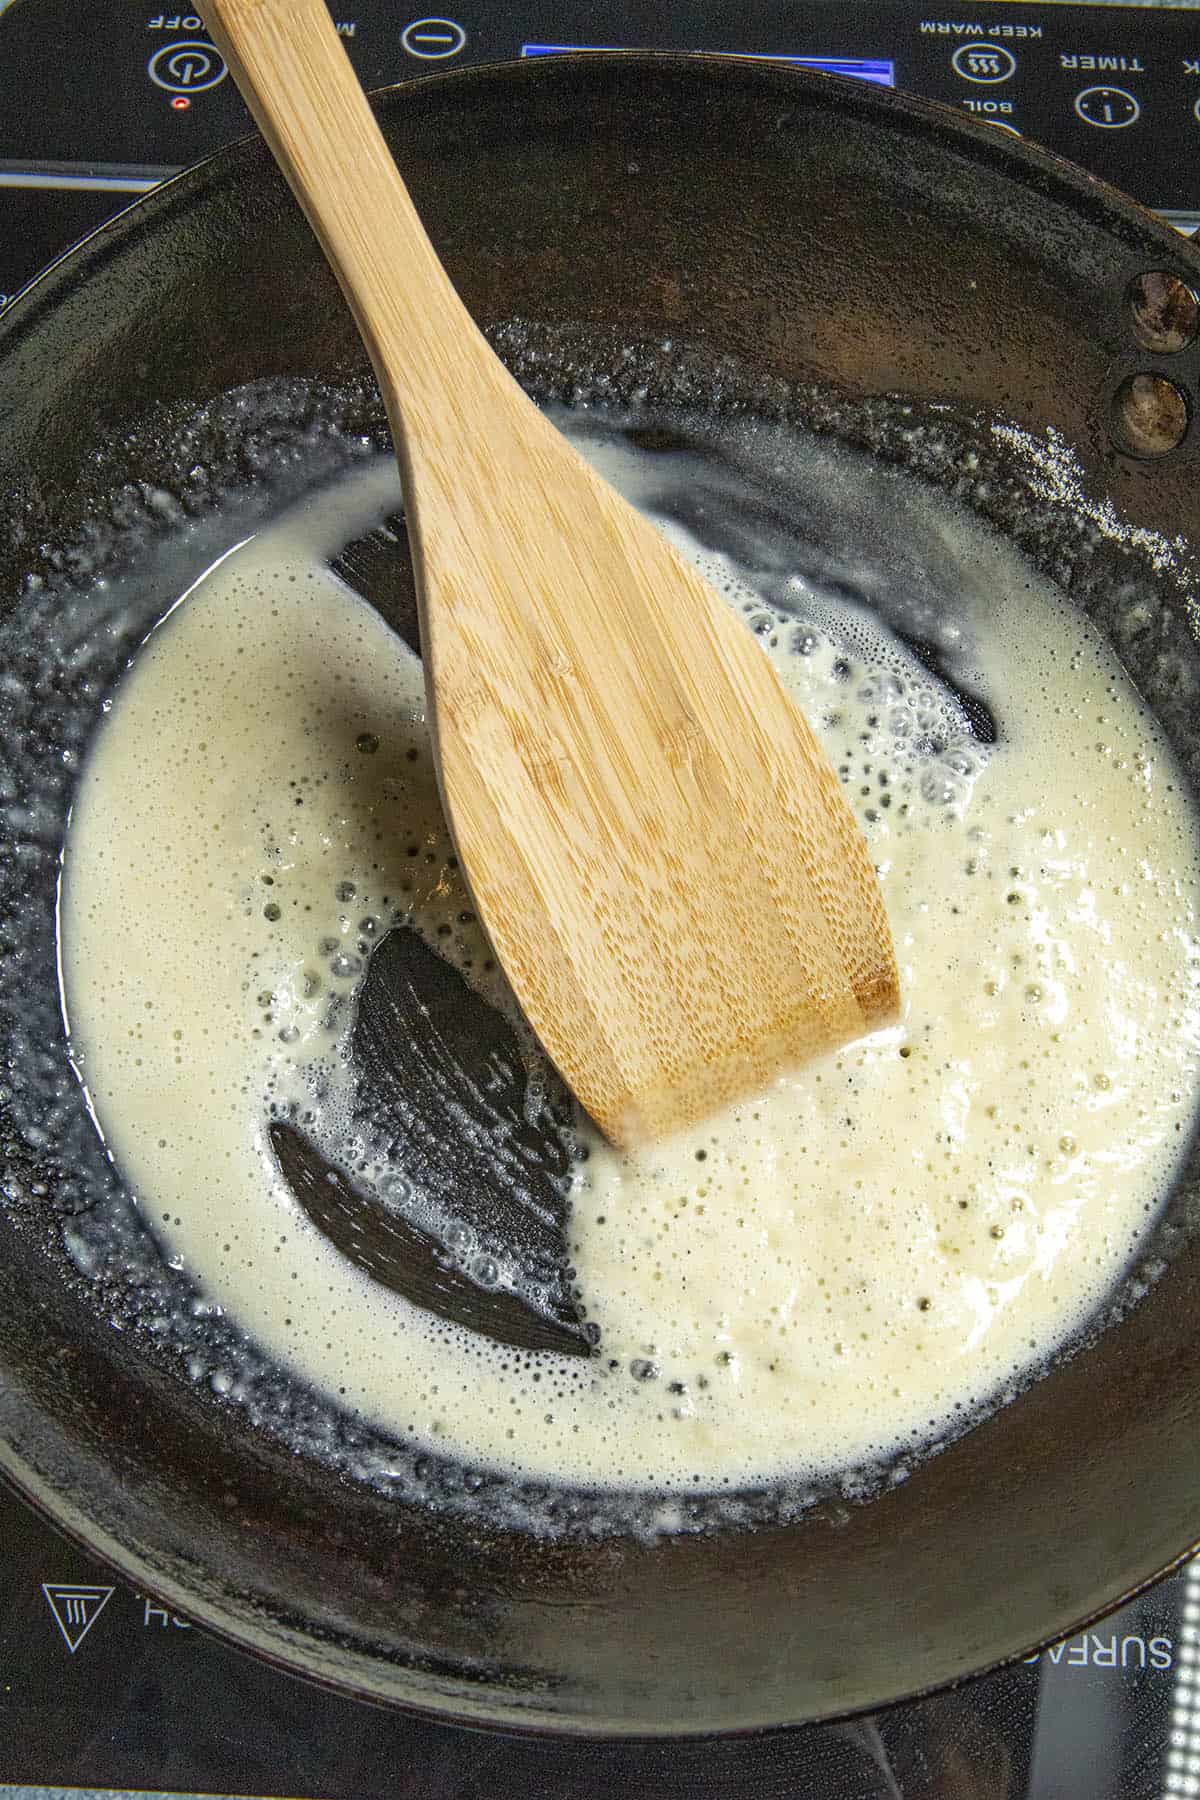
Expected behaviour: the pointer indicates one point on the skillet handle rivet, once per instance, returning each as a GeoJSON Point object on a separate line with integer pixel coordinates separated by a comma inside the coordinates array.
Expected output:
{"type": "Point", "coordinates": [1163, 310]}
{"type": "Point", "coordinates": [1149, 415]}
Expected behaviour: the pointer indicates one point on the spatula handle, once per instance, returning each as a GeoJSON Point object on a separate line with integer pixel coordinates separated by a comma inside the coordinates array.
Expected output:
{"type": "Point", "coordinates": [297, 80]}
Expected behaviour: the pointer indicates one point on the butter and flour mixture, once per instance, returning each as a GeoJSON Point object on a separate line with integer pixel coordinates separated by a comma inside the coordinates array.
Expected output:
{"type": "Point", "coordinates": [828, 1276]}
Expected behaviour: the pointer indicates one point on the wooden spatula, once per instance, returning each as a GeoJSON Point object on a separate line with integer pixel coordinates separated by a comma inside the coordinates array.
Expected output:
{"type": "Point", "coordinates": [657, 845]}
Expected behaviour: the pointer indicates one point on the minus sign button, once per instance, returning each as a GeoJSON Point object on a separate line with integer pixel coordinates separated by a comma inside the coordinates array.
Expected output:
{"type": "Point", "coordinates": [433, 39]}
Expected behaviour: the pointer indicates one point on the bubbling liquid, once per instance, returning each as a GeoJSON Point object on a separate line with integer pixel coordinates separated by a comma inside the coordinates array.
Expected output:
{"type": "Point", "coordinates": [827, 1276]}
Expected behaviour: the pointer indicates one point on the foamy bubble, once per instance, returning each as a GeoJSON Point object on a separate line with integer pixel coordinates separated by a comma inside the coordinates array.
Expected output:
{"type": "Point", "coordinates": [826, 1280]}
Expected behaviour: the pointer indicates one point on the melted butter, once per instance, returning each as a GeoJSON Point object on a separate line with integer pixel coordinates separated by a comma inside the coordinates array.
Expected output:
{"type": "Point", "coordinates": [834, 1273]}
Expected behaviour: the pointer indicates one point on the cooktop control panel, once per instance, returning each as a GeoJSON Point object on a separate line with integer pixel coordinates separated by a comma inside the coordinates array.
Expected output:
{"type": "Point", "coordinates": [97, 104]}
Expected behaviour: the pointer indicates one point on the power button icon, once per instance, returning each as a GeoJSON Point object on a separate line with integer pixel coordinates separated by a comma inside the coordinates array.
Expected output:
{"type": "Point", "coordinates": [186, 68]}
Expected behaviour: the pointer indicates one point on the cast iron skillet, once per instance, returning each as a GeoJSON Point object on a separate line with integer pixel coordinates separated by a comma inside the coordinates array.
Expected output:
{"type": "Point", "coordinates": [785, 230]}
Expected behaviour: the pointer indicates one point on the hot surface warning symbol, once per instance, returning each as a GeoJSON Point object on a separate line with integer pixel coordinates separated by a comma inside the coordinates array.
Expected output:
{"type": "Point", "coordinates": [75, 1609]}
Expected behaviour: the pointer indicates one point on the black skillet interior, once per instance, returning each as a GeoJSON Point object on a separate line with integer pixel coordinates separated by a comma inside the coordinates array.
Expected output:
{"type": "Point", "coordinates": [761, 238]}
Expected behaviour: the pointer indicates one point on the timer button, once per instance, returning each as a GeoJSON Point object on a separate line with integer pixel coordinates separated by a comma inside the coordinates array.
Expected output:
{"type": "Point", "coordinates": [1107, 108]}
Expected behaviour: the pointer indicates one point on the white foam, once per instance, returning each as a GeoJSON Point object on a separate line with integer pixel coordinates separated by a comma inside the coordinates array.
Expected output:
{"type": "Point", "coordinates": [807, 1283]}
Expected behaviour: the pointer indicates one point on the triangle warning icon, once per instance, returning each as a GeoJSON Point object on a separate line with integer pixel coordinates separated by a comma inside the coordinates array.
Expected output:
{"type": "Point", "coordinates": [75, 1608]}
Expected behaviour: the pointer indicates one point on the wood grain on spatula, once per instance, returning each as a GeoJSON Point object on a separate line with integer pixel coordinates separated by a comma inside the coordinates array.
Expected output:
{"type": "Point", "coordinates": [662, 856]}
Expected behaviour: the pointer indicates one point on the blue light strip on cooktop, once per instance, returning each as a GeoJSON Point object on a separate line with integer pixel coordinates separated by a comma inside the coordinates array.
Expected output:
{"type": "Point", "coordinates": [865, 68]}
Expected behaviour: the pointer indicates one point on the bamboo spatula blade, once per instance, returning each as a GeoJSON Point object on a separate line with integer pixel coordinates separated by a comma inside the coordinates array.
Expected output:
{"type": "Point", "coordinates": [657, 846]}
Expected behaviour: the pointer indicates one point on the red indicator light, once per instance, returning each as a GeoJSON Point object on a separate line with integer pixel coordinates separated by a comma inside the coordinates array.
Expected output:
{"type": "Point", "coordinates": [181, 103]}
